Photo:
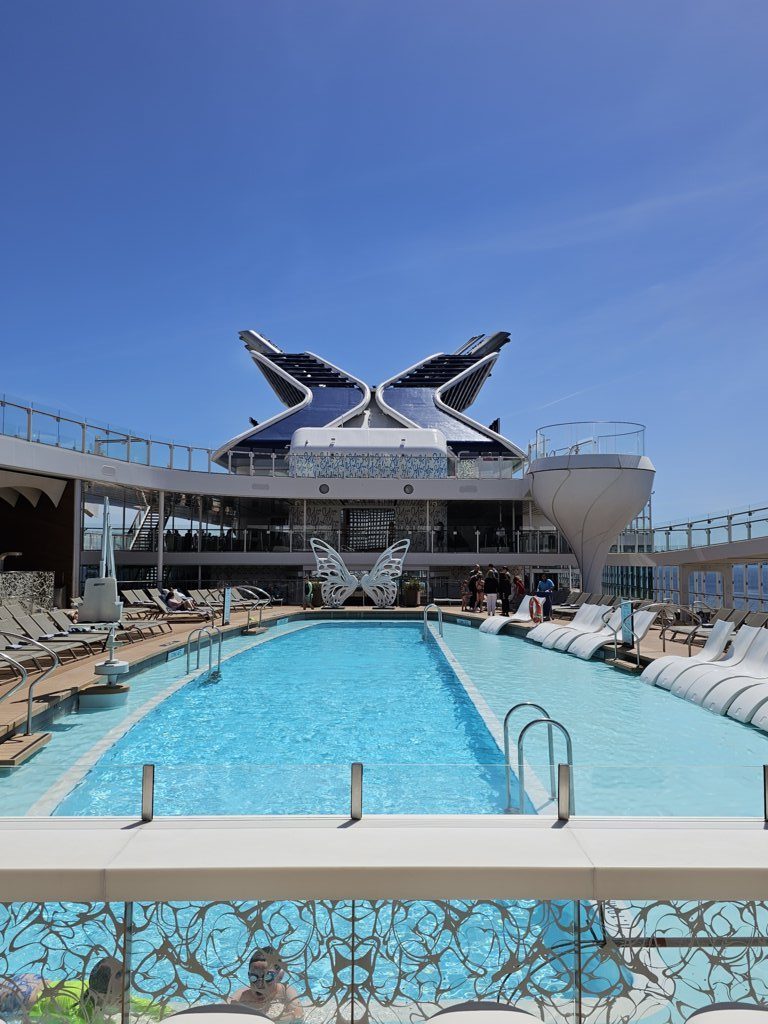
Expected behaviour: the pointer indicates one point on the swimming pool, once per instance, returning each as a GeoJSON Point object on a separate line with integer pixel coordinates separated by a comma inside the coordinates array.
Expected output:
{"type": "Point", "coordinates": [277, 732]}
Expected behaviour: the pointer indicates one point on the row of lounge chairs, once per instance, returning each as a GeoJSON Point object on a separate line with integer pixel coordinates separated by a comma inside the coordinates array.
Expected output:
{"type": "Point", "coordinates": [150, 603]}
{"type": "Point", "coordinates": [729, 676]}
{"type": "Point", "coordinates": [576, 599]}
{"type": "Point", "coordinates": [594, 627]}
{"type": "Point", "coordinates": [21, 629]}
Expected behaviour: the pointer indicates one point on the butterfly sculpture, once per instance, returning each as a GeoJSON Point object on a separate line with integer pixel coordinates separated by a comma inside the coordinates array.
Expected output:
{"type": "Point", "coordinates": [337, 583]}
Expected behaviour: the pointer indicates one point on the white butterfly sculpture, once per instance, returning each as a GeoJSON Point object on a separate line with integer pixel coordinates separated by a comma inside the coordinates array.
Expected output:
{"type": "Point", "coordinates": [337, 583]}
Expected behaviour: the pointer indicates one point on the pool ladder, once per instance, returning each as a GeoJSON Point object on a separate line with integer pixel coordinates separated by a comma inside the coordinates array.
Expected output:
{"type": "Point", "coordinates": [195, 640]}
{"type": "Point", "coordinates": [560, 783]}
{"type": "Point", "coordinates": [425, 617]}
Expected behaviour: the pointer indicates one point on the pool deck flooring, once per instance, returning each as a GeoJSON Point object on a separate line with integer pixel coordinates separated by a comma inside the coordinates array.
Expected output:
{"type": "Point", "coordinates": [75, 676]}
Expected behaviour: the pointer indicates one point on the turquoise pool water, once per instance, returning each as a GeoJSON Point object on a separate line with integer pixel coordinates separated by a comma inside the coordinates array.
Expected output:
{"type": "Point", "coordinates": [277, 732]}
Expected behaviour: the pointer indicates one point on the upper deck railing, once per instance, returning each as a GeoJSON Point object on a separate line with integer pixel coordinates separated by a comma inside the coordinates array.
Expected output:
{"type": "Point", "coordinates": [589, 437]}
{"type": "Point", "coordinates": [720, 528]}
{"type": "Point", "coordinates": [29, 422]}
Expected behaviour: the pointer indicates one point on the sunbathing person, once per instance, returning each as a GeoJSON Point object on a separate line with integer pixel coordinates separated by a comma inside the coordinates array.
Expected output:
{"type": "Point", "coordinates": [266, 991]}
{"type": "Point", "coordinates": [178, 602]}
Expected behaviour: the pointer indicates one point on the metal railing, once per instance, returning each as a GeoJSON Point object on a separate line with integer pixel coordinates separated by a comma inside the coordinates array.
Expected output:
{"type": "Point", "coordinates": [551, 723]}
{"type": "Point", "coordinates": [508, 752]}
{"type": "Point", "coordinates": [195, 641]}
{"type": "Point", "coordinates": [28, 422]}
{"type": "Point", "coordinates": [425, 619]}
{"type": "Point", "coordinates": [55, 662]}
{"type": "Point", "coordinates": [588, 437]}
{"type": "Point", "coordinates": [721, 528]}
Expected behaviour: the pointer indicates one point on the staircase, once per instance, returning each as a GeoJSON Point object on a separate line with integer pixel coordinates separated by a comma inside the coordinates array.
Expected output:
{"type": "Point", "coordinates": [145, 538]}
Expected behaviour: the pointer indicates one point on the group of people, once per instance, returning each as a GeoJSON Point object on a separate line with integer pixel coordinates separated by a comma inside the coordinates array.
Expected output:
{"type": "Point", "coordinates": [99, 999]}
{"type": "Point", "coordinates": [490, 587]}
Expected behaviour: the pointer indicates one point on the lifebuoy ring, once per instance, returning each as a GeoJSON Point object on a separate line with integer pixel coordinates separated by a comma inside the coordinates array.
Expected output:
{"type": "Point", "coordinates": [534, 610]}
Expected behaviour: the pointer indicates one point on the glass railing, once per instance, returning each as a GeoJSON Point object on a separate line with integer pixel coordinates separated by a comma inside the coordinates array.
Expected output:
{"type": "Point", "coordinates": [723, 528]}
{"type": "Point", "coordinates": [610, 790]}
{"type": "Point", "coordinates": [589, 437]}
{"type": "Point", "coordinates": [388, 961]}
{"type": "Point", "coordinates": [60, 430]}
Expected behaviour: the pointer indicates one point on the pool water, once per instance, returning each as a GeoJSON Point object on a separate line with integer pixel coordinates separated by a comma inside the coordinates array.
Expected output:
{"type": "Point", "coordinates": [637, 749]}
{"type": "Point", "coordinates": [276, 733]}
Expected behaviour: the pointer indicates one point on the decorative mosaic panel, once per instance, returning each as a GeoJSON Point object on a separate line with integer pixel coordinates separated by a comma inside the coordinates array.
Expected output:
{"type": "Point", "coordinates": [330, 465]}
{"type": "Point", "coordinates": [33, 589]}
{"type": "Point", "coordinates": [384, 962]}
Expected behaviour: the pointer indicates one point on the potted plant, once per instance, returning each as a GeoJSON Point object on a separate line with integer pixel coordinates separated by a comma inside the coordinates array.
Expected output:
{"type": "Point", "coordinates": [411, 592]}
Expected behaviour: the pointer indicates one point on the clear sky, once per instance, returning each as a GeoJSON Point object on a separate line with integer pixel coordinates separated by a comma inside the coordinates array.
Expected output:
{"type": "Point", "coordinates": [376, 181]}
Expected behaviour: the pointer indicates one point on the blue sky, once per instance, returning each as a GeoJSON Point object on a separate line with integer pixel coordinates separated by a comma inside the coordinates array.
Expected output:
{"type": "Point", "coordinates": [378, 181]}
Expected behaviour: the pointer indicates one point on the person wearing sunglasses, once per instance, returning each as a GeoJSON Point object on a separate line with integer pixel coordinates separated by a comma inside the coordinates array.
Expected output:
{"type": "Point", "coordinates": [267, 991]}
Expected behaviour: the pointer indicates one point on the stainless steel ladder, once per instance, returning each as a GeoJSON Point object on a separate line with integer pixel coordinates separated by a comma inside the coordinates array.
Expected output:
{"type": "Point", "coordinates": [425, 617]}
{"type": "Point", "coordinates": [551, 725]}
{"type": "Point", "coordinates": [195, 639]}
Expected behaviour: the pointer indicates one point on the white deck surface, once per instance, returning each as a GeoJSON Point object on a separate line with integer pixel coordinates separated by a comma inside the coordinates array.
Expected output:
{"type": "Point", "coordinates": [382, 858]}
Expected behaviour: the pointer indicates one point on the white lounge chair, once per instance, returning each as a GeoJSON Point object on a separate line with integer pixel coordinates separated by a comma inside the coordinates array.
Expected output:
{"type": "Point", "coordinates": [671, 665]}
{"type": "Point", "coordinates": [641, 623]}
{"type": "Point", "coordinates": [746, 706]}
{"type": "Point", "coordinates": [587, 618]}
{"type": "Point", "coordinates": [730, 1013]}
{"type": "Point", "coordinates": [588, 644]}
{"type": "Point", "coordinates": [604, 630]}
{"type": "Point", "coordinates": [539, 633]}
{"type": "Point", "coordinates": [753, 671]}
{"type": "Point", "coordinates": [483, 1013]}
{"type": "Point", "coordinates": [730, 665]}
{"type": "Point", "coordinates": [523, 613]}
{"type": "Point", "coordinates": [219, 1013]}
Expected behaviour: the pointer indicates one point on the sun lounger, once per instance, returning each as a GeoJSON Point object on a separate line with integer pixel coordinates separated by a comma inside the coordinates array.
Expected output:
{"type": "Point", "coordinates": [729, 1013]}
{"type": "Point", "coordinates": [641, 624]}
{"type": "Point", "coordinates": [718, 697]}
{"type": "Point", "coordinates": [26, 625]}
{"type": "Point", "coordinates": [540, 633]}
{"type": "Point", "coordinates": [481, 1012]}
{"type": "Point", "coordinates": [198, 615]}
{"type": "Point", "coordinates": [586, 645]}
{"type": "Point", "coordinates": [591, 622]}
{"type": "Point", "coordinates": [690, 669]}
{"type": "Point", "coordinates": [732, 664]}
{"type": "Point", "coordinates": [668, 668]}
{"type": "Point", "coordinates": [599, 627]}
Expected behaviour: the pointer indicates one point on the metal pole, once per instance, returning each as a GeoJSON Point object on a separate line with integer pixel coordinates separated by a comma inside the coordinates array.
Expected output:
{"type": "Point", "coordinates": [563, 792]}
{"type": "Point", "coordinates": [765, 793]}
{"type": "Point", "coordinates": [579, 963]}
{"type": "Point", "coordinates": [125, 994]}
{"type": "Point", "coordinates": [147, 792]}
{"type": "Point", "coordinates": [356, 791]}
{"type": "Point", "coordinates": [160, 535]}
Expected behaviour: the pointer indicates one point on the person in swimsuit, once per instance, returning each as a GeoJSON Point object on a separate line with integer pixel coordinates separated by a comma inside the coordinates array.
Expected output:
{"type": "Point", "coordinates": [266, 991]}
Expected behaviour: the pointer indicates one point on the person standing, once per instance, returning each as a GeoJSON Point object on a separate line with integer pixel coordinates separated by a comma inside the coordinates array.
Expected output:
{"type": "Point", "coordinates": [544, 593]}
{"type": "Point", "coordinates": [518, 588]}
{"type": "Point", "coordinates": [491, 587]}
{"type": "Point", "coordinates": [505, 589]}
{"type": "Point", "coordinates": [474, 576]}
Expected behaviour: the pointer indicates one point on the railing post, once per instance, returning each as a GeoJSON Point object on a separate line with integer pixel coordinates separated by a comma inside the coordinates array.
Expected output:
{"type": "Point", "coordinates": [564, 784]}
{"type": "Point", "coordinates": [356, 791]}
{"type": "Point", "coordinates": [125, 988]}
{"type": "Point", "coordinates": [147, 792]}
{"type": "Point", "coordinates": [29, 424]}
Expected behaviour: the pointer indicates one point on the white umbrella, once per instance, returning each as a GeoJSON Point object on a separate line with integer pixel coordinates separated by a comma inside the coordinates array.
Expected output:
{"type": "Point", "coordinates": [107, 563]}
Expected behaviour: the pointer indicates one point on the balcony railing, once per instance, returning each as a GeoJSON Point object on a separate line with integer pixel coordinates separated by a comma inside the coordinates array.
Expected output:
{"type": "Point", "coordinates": [589, 437]}
{"type": "Point", "coordinates": [48, 427]}
{"type": "Point", "coordinates": [721, 528]}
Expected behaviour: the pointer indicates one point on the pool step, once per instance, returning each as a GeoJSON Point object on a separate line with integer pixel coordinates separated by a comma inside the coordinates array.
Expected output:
{"type": "Point", "coordinates": [19, 749]}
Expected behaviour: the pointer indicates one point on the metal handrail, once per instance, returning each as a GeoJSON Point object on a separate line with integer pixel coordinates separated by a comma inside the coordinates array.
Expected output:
{"type": "Point", "coordinates": [507, 759]}
{"type": "Point", "coordinates": [204, 633]}
{"type": "Point", "coordinates": [56, 661]}
{"type": "Point", "coordinates": [425, 627]}
{"type": "Point", "coordinates": [551, 723]}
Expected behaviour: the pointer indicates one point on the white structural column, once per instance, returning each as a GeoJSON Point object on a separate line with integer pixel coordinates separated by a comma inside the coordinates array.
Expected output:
{"type": "Point", "coordinates": [591, 498]}
{"type": "Point", "coordinates": [160, 535]}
